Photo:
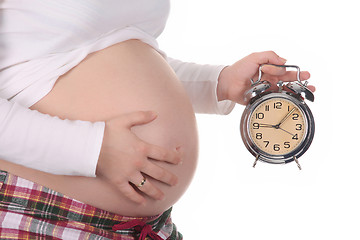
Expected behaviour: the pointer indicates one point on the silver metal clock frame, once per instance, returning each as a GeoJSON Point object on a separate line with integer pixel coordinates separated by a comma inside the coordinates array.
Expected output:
{"type": "Point", "coordinates": [277, 159]}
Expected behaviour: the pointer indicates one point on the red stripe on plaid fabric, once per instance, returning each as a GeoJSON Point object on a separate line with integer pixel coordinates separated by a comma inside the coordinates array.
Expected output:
{"type": "Point", "coordinates": [39, 198]}
{"type": "Point", "coordinates": [21, 235]}
{"type": "Point", "coordinates": [15, 225]}
{"type": "Point", "coordinates": [41, 207]}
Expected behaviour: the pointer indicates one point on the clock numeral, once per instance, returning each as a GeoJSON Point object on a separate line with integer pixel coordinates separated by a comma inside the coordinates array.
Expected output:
{"type": "Point", "coordinates": [256, 126]}
{"type": "Point", "coordinates": [267, 108]}
{"type": "Point", "coordinates": [295, 137]}
{"type": "Point", "coordinates": [288, 108]}
{"type": "Point", "coordinates": [295, 116]}
{"type": "Point", "coordinates": [266, 143]}
{"type": "Point", "coordinates": [277, 105]}
{"type": "Point", "coordinates": [286, 144]}
{"type": "Point", "coordinates": [259, 115]}
{"type": "Point", "coordinates": [258, 136]}
{"type": "Point", "coordinates": [298, 127]}
{"type": "Point", "coordinates": [277, 147]}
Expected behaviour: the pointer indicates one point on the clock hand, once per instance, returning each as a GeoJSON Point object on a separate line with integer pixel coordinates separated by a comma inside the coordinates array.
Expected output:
{"type": "Point", "coordinates": [266, 125]}
{"type": "Point", "coordinates": [286, 117]}
{"type": "Point", "coordinates": [286, 131]}
{"type": "Point", "coordinates": [274, 126]}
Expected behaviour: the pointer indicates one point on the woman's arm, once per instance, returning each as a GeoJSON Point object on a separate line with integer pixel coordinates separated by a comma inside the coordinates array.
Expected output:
{"type": "Point", "coordinates": [200, 82]}
{"type": "Point", "coordinates": [49, 144]}
{"type": "Point", "coordinates": [234, 80]}
{"type": "Point", "coordinates": [216, 89]}
{"type": "Point", "coordinates": [109, 150]}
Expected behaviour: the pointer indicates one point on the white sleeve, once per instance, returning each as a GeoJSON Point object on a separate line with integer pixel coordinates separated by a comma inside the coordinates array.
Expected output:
{"type": "Point", "coordinates": [200, 82]}
{"type": "Point", "coordinates": [49, 144]}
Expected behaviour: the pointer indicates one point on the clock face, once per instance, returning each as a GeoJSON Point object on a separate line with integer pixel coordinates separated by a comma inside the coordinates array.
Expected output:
{"type": "Point", "coordinates": [277, 126]}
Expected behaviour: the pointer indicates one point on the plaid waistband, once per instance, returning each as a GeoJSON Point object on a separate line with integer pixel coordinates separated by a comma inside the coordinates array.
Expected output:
{"type": "Point", "coordinates": [41, 204]}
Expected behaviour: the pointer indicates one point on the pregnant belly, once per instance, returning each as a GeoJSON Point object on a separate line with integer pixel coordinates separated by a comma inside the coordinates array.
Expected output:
{"type": "Point", "coordinates": [126, 77]}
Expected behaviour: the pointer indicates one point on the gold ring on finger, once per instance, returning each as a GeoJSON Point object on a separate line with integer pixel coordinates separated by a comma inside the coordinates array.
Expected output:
{"type": "Point", "coordinates": [142, 182]}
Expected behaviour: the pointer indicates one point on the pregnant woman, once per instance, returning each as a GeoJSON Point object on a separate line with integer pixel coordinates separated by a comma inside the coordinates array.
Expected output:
{"type": "Point", "coordinates": [98, 126]}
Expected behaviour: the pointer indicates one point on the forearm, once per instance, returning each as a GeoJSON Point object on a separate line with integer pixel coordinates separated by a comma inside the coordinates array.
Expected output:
{"type": "Point", "coordinates": [47, 143]}
{"type": "Point", "coordinates": [201, 83]}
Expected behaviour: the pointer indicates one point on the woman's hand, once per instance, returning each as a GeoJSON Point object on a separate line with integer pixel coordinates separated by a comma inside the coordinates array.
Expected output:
{"type": "Point", "coordinates": [124, 158]}
{"type": "Point", "coordinates": [234, 80]}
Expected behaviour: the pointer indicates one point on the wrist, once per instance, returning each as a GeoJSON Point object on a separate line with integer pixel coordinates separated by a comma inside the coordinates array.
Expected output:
{"type": "Point", "coordinates": [103, 152]}
{"type": "Point", "coordinates": [220, 89]}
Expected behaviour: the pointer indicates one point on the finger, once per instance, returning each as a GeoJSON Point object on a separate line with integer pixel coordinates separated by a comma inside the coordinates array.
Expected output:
{"type": "Point", "coordinates": [160, 174]}
{"type": "Point", "coordinates": [139, 118]}
{"type": "Point", "coordinates": [287, 76]}
{"type": "Point", "coordinates": [148, 188]}
{"type": "Point", "coordinates": [273, 70]}
{"type": "Point", "coordinates": [292, 75]}
{"type": "Point", "coordinates": [311, 88]}
{"type": "Point", "coordinates": [304, 75]}
{"type": "Point", "coordinates": [162, 154]}
{"type": "Point", "coordinates": [128, 191]}
{"type": "Point", "coordinates": [266, 57]}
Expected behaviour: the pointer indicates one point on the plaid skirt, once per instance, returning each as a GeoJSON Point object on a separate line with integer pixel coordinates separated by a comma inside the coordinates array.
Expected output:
{"type": "Point", "coordinates": [31, 211]}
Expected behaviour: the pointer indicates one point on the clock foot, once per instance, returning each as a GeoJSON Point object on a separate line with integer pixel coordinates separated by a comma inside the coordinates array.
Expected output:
{"type": "Point", "coordinates": [256, 159]}
{"type": "Point", "coordinates": [297, 162]}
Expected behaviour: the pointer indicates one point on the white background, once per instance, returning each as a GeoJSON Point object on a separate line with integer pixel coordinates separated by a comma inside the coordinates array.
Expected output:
{"type": "Point", "coordinates": [229, 199]}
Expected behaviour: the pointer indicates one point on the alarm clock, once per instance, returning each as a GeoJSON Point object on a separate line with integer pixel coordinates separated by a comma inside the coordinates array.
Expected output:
{"type": "Point", "coordinates": [277, 126]}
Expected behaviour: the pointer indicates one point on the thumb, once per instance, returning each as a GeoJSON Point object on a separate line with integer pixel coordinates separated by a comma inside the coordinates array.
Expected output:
{"type": "Point", "coordinates": [139, 118]}
{"type": "Point", "coordinates": [268, 57]}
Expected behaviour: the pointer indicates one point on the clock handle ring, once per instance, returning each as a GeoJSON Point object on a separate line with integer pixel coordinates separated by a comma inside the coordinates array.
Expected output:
{"type": "Point", "coordinates": [284, 66]}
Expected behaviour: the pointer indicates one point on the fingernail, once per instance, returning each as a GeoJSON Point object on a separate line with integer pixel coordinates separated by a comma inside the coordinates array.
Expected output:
{"type": "Point", "coordinates": [143, 202]}
{"type": "Point", "coordinates": [181, 160]}
{"type": "Point", "coordinates": [283, 59]}
{"type": "Point", "coordinates": [175, 182]}
{"type": "Point", "coordinates": [161, 197]}
{"type": "Point", "coordinates": [180, 154]}
{"type": "Point", "coordinates": [153, 114]}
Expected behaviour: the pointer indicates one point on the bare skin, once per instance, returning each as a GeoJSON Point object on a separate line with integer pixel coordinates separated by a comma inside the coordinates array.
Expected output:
{"type": "Point", "coordinates": [234, 80]}
{"type": "Point", "coordinates": [150, 125]}
{"type": "Point", "coordinates": [128, 80]}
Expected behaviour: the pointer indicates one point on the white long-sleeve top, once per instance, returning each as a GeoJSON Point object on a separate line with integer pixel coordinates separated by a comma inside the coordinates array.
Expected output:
{"type": "Point", "coordinates": [41, 40]}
